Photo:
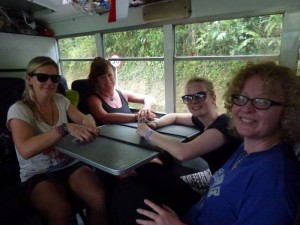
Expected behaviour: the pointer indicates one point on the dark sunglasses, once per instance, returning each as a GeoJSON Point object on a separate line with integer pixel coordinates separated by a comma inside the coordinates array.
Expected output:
{"type": "Point", "coordinates": [42, 77]}
{"type": "Point", "coordinates": [200, 97]}
{"type": "Point", "coordinates": [258, 103]}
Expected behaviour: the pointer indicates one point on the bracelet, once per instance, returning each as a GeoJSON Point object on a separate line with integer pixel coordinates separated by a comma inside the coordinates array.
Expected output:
{"type": "Point", "coordinates": [148, 134]}
{"type": "Point", "coordinates": [62, 130]}
{"type": "Point", "coordinates": [156, 124]}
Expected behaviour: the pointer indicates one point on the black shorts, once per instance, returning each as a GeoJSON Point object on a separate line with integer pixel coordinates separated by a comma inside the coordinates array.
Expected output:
{"type": "Point", "coordinates": [59, 177]}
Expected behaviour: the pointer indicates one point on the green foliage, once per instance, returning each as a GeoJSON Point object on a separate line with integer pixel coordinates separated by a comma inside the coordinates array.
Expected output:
{"type": "Point", "coordinates": [245, 36]}
{"type": "Point", "coordinates": [235, 37]}
{"type": "Point", "coordinates": [138, 43]}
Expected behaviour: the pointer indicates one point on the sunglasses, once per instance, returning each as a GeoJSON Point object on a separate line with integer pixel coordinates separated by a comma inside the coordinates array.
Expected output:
{"type": "Point", "coordinates": [199, 96]}
{"type": "Point", "coordinates": [258, 103]}
{"type": "Point", "coordinates": [42, 77]}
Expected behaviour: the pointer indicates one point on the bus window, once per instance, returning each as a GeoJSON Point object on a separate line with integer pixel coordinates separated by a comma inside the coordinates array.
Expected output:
{"type": "Point", "coordinates": [214, 49]}
{"type": "Point", "coordinates": [142, 71]}
{"type": "Point", "coordinates": [75, 55]}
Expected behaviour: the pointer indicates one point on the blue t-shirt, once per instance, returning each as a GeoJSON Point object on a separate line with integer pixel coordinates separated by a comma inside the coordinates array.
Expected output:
{"type": "Point", "coordinates": [259, 188]}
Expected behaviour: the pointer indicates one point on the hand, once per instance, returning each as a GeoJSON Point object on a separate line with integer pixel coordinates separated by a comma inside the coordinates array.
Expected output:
{"type": "Point", "coordinates": [83, 133]}
{"type": "Point", "coordinates": [142, 126]}
{"type": "Point", "coordinates": [148, 114]}
{"type": "Point", "coordinates": [161, 215]}
{"type": "Point", "coordinates": [89, 121]}
{"type": "Point", "coordinates": [153, 125]}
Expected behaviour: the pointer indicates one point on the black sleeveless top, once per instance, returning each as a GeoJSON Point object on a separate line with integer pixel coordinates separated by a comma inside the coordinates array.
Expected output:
{"type": "Point", "coordinates": [218, 157]}
{"type": "Point", "coordinates": [124, 109]}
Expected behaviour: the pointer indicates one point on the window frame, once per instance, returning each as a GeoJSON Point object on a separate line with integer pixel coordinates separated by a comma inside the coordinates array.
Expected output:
{"type": "Point", "coordinates": [288, 55]}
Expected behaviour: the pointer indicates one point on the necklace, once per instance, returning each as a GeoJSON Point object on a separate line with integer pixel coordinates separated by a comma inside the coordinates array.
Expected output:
{"type": "Point", "coordinates": [238, 161]}
{"type": "Point", "coordinates": [111, 98]}
{"type": "Point", "coordinates": [52, 115]}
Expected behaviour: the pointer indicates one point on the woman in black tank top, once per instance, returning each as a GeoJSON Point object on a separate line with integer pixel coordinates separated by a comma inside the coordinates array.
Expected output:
{"type": "Point", "coordinates": [109, 105]}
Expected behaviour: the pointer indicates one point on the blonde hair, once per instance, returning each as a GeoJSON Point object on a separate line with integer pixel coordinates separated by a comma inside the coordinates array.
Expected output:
{"type": "Point", "coordinates": [276, 78]}
{"type": "Point", "coordinates": [208, 84]}
{"type": "Point", "coordinates": [28, 97]}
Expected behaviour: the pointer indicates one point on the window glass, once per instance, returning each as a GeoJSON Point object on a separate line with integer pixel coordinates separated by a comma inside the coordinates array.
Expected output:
{"type": "Point", "coordinates": [75, 70]}
{"type": "Point", "coordinates": [219, 72]}
{"type": "Point", "coordinates": [139, 75]}
{"type": "Point", "coordinates": [77, 47]}
{"type": "Point", "coordinates": [136, 43]}
{"type": "Point", "coordinates": [245, 36]}
{"type": "Point", "coordinates": [144, 77]}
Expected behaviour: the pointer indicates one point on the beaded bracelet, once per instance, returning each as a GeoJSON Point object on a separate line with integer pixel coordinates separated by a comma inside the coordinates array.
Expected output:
{"type": "Point", "coordinates": [62, 130]}
{"type": "Point", "coordinates": [148, 134]}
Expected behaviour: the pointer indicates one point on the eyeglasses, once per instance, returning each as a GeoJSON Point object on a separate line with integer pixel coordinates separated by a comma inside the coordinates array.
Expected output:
{"type": "Point", "coordinates": [258, 103]}
{"type": "Point", "coordinates": [200, 96]}
{"type": "Point", "coordinates": [42, 77]}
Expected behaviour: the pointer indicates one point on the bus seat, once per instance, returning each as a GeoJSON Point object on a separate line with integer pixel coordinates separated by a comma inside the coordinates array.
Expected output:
{"type": "Point", "coordinates": [11, 89]}
{"type": "Point", "coordinates": [82, 87]}
{"type": "Point", "coordinates": [73, 96]}
{"type": "Point", "coordinates": [14, 207]}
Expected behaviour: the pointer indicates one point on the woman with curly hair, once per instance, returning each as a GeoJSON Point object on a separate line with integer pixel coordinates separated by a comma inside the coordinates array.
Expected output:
{"type": "Point", "coordinates": [260, 183]}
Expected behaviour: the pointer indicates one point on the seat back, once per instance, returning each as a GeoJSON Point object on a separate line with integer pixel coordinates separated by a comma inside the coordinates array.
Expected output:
{"type": "Point", "coordinates": [73, 96]}
{"type": "Point", "coordinates": [11, 89]}
{"type": "Point", "coordinates": [82, 87]}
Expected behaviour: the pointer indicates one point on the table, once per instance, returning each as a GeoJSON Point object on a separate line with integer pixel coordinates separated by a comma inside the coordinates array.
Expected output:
{"type": "Point", "coordinates": [187, 133]}
{"type": "Point", "coordinates": [118, 149]}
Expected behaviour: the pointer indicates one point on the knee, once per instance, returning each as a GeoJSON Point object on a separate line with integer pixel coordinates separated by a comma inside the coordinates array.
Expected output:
{"type": "Point", "coordinates": [60, 214]}
{"type": "Point", "coordinates": [97, 200]}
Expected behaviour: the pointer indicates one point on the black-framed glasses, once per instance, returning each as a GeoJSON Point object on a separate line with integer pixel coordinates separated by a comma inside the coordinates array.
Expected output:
{"type": "Point", "coordinates": [42, 77]}
{"type": "Point", "coordinates": [258, 103]}
{"type": "Point", "coordinates": [199, 96]}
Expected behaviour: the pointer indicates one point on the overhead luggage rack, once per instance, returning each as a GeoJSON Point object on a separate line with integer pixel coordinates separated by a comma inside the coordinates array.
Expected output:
{"type": "Point", "coordinates": [91, 6]}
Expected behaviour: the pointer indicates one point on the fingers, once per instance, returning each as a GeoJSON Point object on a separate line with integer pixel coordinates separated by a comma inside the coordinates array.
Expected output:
{"type": "Point", "coordinates": [168, 208]}
{"type": "Point", "coordinates": [142, 116]}
{"type": "Point", "coordinates": [98, 131]}
{"type": "Point", "coordinates": [84, 133]}
{"type": "Point", "coordinates": [154, 216]}
{"type": "Point", "coordinates": [147, 115]}
{"type": "Point", "coordinates": [147, 213]}
{"type": "Point", "coordinates": [152, 205]}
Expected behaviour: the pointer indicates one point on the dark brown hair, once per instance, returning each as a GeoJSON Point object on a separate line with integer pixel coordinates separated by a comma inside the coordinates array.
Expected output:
{"type": "Point", "coordinates": [99, 67]}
